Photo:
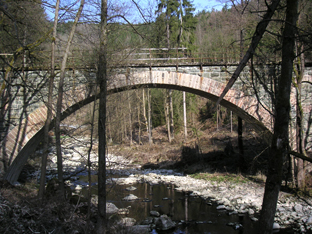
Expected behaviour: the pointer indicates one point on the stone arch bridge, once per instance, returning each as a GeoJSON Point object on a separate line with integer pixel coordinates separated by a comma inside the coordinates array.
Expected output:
{"type": "Point", "coordinates": [207, 82]}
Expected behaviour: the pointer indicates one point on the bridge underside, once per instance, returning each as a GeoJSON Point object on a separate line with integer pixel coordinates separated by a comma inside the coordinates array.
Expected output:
{"type": "Point", "coordinates": [256, 122]}
{"type": "Point", "coordinates": [246, 107]}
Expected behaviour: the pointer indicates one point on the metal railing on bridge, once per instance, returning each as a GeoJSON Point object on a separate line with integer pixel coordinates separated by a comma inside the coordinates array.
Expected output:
{"type": "Point", "coordinates": [176, 56]}
{"type": "Point", "coordinates": [133, 57]}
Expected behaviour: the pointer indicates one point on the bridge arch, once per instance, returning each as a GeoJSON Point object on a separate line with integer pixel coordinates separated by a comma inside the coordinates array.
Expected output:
{"type": "Point", "coordinates": [248, 108]}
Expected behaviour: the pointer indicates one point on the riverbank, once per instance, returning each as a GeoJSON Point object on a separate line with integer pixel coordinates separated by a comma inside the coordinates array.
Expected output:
{"type": "Point", "coordinates": [209, 173]}
{"type": "Point", "coordinates": [234, 192]}
{"type": "Point", "coordinates": [234, 197]}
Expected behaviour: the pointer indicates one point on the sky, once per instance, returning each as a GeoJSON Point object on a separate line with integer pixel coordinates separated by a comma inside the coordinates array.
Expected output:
{"type": "Point", "coordinates": [199, 5]}
{"type": "Point", "coordinates": [207, 5]}
{"type": "Point", "coordinates": [133, 14]}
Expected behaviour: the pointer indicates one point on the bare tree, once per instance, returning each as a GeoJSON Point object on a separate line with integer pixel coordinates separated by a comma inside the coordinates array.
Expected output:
{"type": "Point", "coordinates": [171, 114]}
{"type": "Point", "coordinates": [299, 165]}
{"type": "Point", "coordinates": [130, 120]}
{"type": "Point", "coordinates": [167, 113]}
{"type": "Point", "coordinates": [184, 116]}
{"type": "Point", "coordinates": [297, 82]}
{"type": "Point", "coordinates": [280, 140]}
{"type": "Point", "coordinates": [60, 100]}
{"type": "Point", "coordinates": [49, 107]}
{"type": "Point", "coordinates": [149, 116]}
{"type": "Point", "coordinates": [102, 82]}
{"type": "Point", "coordinates": [89, 162]}
{"type": "Point", "coordinates": [144, 110]}
{"type": "Point", "coordinates": [260, 30]}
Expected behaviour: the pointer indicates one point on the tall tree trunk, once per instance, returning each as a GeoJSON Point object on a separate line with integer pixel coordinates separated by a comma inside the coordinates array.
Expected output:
{"type": "Point", "coordinates": [239, 119]}
{"type": "Point", "coordinates": [150, 140]}
{"type": "Point", "coordinates": [89, 163]}
{"type": "Point", "coordinates": [139, 125]}
{"type": "Point", "coordinates": [49, 107]}
{"type": "Point", "coordinates": [109, 119]}
{"type": "Point", "coordinates": [240, 144]}
{"type": "Point", "coordinates": [168, 32]}
{"type": "Point", "coordinates": [301, 171]}
{"type": "Point", "coordinates": [6, 108]}
{"type": "Point", "coordinates": [231, 117]}
{"type": "Point", "coordinates": [139, 116]}
{"type": "Point", "coordinates": [184, 115]}
{"type": "Point", "coordinates": [130, 120]}
{"type": "Point", "coordinates": [166, 107]}
{"type": "Point", "coordinates": [60, 100]}
{"type": "Point", "coordinates": [280, 141]}
{"type": "Point", "coordinates": [218, 116]}
{"type": "Point", "coordinates": [171, 115]}
{"type": "Point", "coordinates": [144, 111]}
{"type": "Point", "coordinates": [102, 82]}
{"type": "Point", "coordinates": [181, 24]}
{"type": "Point", "coordinates": [125, 134]}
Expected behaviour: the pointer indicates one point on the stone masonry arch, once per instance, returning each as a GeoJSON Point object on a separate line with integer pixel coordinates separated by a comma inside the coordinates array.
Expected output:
{"type": "Point", "coordinates": [17, 148]}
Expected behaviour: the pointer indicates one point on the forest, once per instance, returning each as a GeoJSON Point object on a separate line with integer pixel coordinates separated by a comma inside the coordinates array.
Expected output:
{"type": "Point", "coordinates": [96, 37]}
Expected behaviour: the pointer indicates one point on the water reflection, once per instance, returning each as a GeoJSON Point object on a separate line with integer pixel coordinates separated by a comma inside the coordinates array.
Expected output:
{"type": "Point", "coordinates": [193, 214]}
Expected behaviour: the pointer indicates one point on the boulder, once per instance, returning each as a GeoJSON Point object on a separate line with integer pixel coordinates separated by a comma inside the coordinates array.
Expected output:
{"type": "Point", "coordinates": [276, 226]}
{"type": "Point", "coordinates": [130, 197]}
{"type": "Point", "coordinates": [221, 207]}
{"type": "Point", "coordinates": [309, 221]}
{"type": "Point", "coordinates": [164, 223]}
{"type": "Point", "coordinates": [111, 208]}
{"type": "Point", "coordinates": [298, 208]}
{"type": "Point", "coordinates": [131, 188]}
{"type": "Point", "coordinates": [251, 212]}
{"type": "Point", "coordinates": [124, 211]}
{"type": "Point", "coordinates": [128, 222]}
{"type": "Point", "coordinates": [154, 213]}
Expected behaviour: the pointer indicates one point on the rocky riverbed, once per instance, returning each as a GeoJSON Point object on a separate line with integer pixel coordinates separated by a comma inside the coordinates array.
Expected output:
{"type": "Point", "coordinates": [235, 198]}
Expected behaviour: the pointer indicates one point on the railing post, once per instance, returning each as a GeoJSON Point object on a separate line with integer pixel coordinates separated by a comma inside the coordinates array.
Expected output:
{"type": "Point", "coordinates": [177, 58]}
{"type": "Point", "coordinates": [150, 56]}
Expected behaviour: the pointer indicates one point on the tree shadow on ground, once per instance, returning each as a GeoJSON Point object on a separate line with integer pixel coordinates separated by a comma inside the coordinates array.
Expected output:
{"type": "Point", "coordinates": [193, 160]}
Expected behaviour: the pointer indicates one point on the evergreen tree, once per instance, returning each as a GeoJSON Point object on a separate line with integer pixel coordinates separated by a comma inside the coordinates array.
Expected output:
{"type": "Point", "coordinates": [21, 23]}
{"type": "Point", "coordinates": [172, 16]}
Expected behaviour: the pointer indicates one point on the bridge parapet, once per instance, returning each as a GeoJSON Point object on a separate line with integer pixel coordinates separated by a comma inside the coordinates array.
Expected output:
{"type": "Point", "coordinates": [32, 92]}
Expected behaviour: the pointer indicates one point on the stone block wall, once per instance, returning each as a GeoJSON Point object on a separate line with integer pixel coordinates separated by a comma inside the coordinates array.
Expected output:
{"type": "Point", "coordinates": [33, 91]}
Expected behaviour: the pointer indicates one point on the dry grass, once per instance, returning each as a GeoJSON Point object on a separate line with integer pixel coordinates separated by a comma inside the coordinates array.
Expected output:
{"type": "Point", "coordinates": [222, 177]}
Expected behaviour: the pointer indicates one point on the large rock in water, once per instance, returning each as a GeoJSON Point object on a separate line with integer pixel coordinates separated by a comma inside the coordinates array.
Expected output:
{"type": "Point", "coordinates": [130, 197]}
{"type": "Point", "coordinates": [164, 223]}
{"type": "Point", "coordinates": [129, 222]}
{"type": "Point", "coordinates": [140, 229]}
{"type": "Point", "coordinates": [111, 208]}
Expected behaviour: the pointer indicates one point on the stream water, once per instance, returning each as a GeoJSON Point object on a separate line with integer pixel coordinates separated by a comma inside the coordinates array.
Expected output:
{"type": "Point", "coordinates": [194, 214]}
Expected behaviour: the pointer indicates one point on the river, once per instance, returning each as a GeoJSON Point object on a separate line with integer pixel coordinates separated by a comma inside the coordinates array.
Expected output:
{"type": "Point", "coordinates": [192, 203]}
{"type": "Point", "coordinates": [193, 214]}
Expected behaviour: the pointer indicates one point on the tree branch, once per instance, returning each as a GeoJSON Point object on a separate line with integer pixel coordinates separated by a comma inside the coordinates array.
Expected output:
{"type": "Point", "coordinates": [131, 25]}
{"type": "Point", "coordinates": [298, 155]}
{"type": "Point", "coordinates": [261, 27]}
{"type": "Point", "coordinates": [140, 10]}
